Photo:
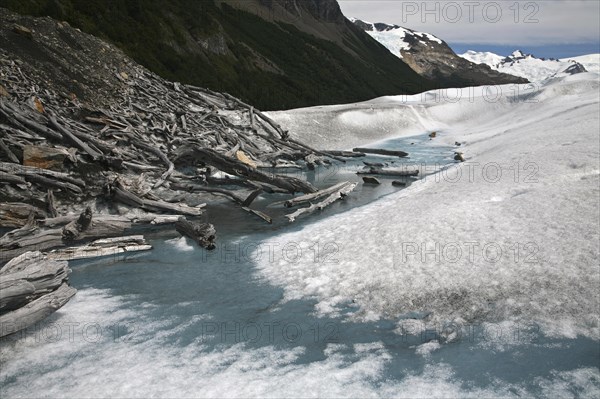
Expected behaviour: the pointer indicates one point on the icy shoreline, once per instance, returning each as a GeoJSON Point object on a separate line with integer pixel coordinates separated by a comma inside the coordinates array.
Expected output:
{"type": "Point", "coordinates": [527, 195]}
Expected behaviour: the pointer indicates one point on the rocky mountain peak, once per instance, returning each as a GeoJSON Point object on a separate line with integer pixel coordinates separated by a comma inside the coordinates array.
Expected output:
{"type": "Point", "coordinates": [431, 57]}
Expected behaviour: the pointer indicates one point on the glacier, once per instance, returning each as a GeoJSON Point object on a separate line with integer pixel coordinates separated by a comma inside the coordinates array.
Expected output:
{"type": "Point", "coordinates": [529, 190]}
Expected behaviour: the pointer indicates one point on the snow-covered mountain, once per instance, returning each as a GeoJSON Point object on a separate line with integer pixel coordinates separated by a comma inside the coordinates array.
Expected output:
{"type": "Point", "coordinates": [431, 57]}
{"type": "Point", "coordinates": [396, 38]}
{"type": "Point", "coordinates": [532, 68]}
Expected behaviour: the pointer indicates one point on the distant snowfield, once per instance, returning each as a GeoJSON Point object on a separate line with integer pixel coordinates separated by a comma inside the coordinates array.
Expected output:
{"type": "Point", "coordinates": [531, 68]}
{"type": "Point", "coordinates": [511, 235]}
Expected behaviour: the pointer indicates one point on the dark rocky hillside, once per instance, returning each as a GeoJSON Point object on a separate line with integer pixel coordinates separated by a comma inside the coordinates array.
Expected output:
{"type": "Point", "coordinates": [274, 54]}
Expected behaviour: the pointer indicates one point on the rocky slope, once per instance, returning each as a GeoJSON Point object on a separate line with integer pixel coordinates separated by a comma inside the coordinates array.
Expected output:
{"type": "Point", "coordinates": [274, 54]}
{"type": "Point", "coordinates": [432, 58]}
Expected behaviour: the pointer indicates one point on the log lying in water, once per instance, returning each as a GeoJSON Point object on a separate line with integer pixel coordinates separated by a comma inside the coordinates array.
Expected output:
{"type": "Point", "coordinates": [341, 193]}
{"type": "Point", "coordinates": [260, 214]}
{"type": "Point", "coordinates": [347, 154]}
{"type": "Point", "coordinates": [146, 218]}
{"type": "Point", "coordinates": [102, 247]}
{"type": "Point", "coordinates": [378, 151]}
{"type": "Point", "coordinates": [238, 168]}
{"type": "Point", "coordinates": [388, 172]}
{"type": "Point", "coordinates": [371, 180]}
{"type": "Point", "coordinates": [31, 288]}
{"type": "Point", "coordinates": [119, 193]}
{"type": "Point", "coordinates": [202, 233]}
{"type": "Point", "coordinates": [309, 198]}
{"type": "Point", "coordinates": [244, 201]}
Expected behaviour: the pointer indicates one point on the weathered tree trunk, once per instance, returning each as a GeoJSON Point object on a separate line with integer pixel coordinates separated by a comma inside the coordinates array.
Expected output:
{"type": "Point", "coordinates": [117, 192]}
{"type": "Point", "coordinates": [73, 230]}
{"type": "Point", "coordinates": [31, 288]}
{"type": "Point", "coordinates": [378, 151]}
{"type": "Point", "coordinates": [11, 156]}
{"type": "Point", "coordinates": [16, 214]}
{"type": "Point", "coordinates": [237, 168]}
{"type": "Point", "coordinates": [45, 177]}
{"type": "Point", "coordinates": [347, 154]}
{"type": "Point", "coordinates": [69, 136]}
{"type": "Point", "coordinates": [389, 172]}
{"type": "Point", "coordinates": [204, 234]}
{"type": "Point", "coordinates": [260, 214]}
{"type": "Point", "coordinates": [308, 198]}
{"type": "Point", "coordinates": [244, 201]}
{"type": "Point", "coordinates": [51, 204]}
{"type": "Point", "coordinates": [371, 180]}
{"type": "Point", "coordinates": [341, 193]}
{"type": "Point", "coordinates": [36, 310]}
{"type": "Point", "coordinates": [102, 247]}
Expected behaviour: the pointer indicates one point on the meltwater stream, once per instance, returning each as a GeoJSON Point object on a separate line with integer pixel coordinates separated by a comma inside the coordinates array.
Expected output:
{"type": "Point", "coordinates": [180, 322]}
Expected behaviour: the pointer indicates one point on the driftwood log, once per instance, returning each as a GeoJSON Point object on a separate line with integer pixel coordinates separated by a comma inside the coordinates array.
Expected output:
{"type": "Point", "coordinates": [309, 198]}
{"type": "Point", "coordinates": [238, 168]}
{"type": "Point", "coordinates": [31, 288]}
{"type": "Point", "coordinates": [339, 194]}
{"type": "Point", "coordinates": [347, 154]}
{"type": "Point", "coordinates": [103, 247]}
{"type": "Point", "coordinates": [17, 214]}
{"type": "Point", "coordinates": [371, 180]}
{"type": "Point", "coordinates": [389, 172]}
{"type": "Point", "coordinates": [378, 151]}
{"type": "Point", "coordinates": [204, 234]}
{"type": "Point", "coordinates": [117, 192]}
{"type": "Point", "coordinates": [48, 234]}
{"type": "Point", "coordinates": [260, 214]}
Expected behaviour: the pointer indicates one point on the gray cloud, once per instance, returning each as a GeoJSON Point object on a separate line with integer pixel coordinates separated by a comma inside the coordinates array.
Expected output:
{"type": "Point", "coordinates": [488, 22]}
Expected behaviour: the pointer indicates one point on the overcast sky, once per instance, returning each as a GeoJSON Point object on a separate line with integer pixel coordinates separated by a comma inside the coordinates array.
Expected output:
{"type": "Point", "coordinates": [497, 24]}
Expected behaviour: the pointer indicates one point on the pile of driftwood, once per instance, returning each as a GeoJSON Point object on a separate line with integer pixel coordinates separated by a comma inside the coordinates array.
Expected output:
{"type": "Point", "coordinates": [77, 177]}
{"type": "Point", "coordinates": [149, 151]}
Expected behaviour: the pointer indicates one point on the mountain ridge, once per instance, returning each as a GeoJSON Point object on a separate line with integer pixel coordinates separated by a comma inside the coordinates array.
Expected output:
{"type": "Point", "coordinates": [433, 58]}
{"type": "Point", "coordinates": [532, 68]}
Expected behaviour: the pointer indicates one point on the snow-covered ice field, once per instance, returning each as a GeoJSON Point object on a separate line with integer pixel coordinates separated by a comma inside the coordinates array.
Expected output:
{"type": "Point", "coordinates": [511, 235]}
